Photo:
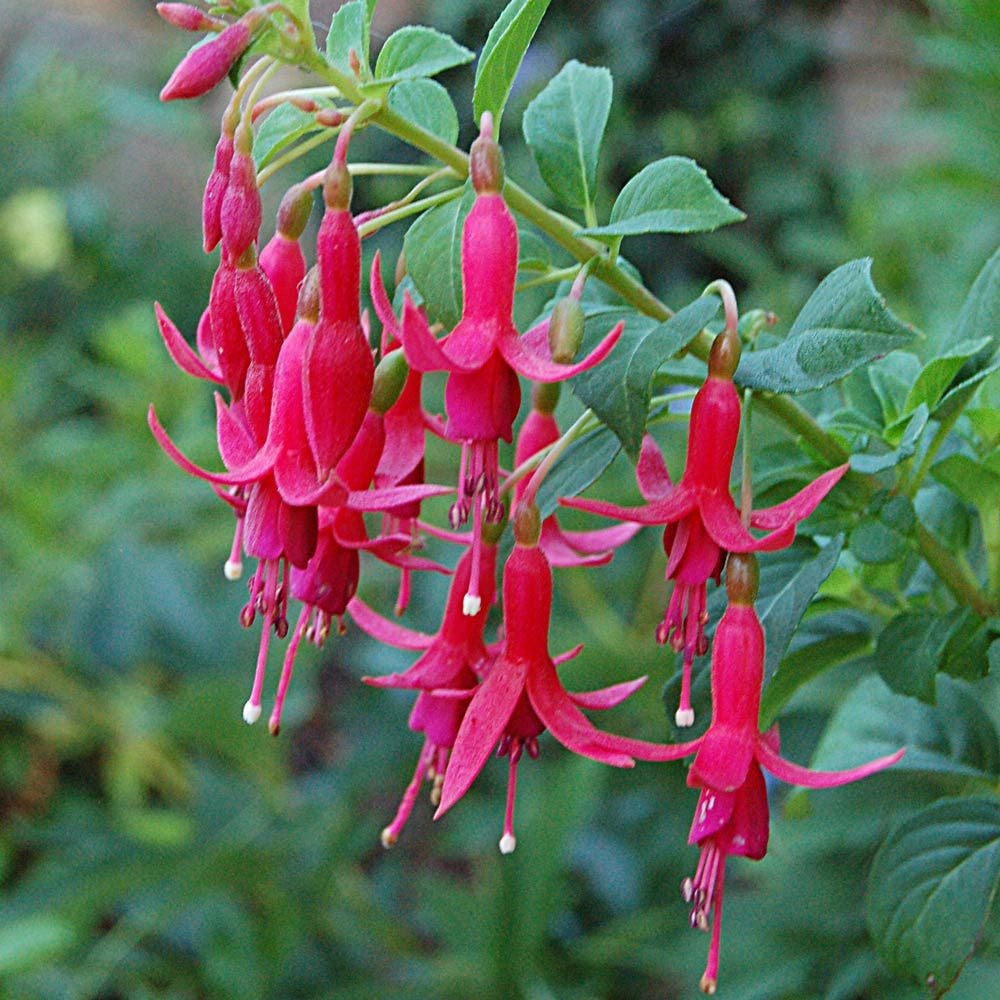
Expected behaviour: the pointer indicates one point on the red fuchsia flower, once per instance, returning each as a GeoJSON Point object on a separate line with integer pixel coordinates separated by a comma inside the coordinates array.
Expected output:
{"type": "Point", "coordinates": [207, 65]}
{"type": "Point", "coordinates": [446, 674]}
{"type": "Point", "coordinates": [522, 695]}
{"type": "Point", "coordinates": [484, 353]}
{"type": "Point", "coordinates": [282, 259]}
{"type": "Point", "coordinates": [561, 548]}
{"type": "Point", "coordinates": [218, 178]}
{"type": "Point", "coordinates": [732, 809]}
{"type": "Point", "coordinates": [701, 522]}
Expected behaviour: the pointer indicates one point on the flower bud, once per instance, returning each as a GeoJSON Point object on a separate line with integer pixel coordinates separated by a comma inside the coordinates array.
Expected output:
{"type": "Point", "coordinates": [308, 305]}
{"type": "Point", "coordinates": [527, 525]}
{"type": "Point", "coordinates": [207, 64]}
{"type": "Point", "coordinates": [188, 18]}
{"type": "Point", "coordinates": [492, 531]}
{"type": "Point", "coordinates": [725, 355]}
{"type": "Point", "coordinates": [742, 578]}
{"type": "Point", "coordinates": [337, 187]}
{"type": "Point", "coordinates": [294, 211]}
{"type": "Point", "coordinates": [566, 330]}
{"type": "Point", "coordinates": [241, 211]}
{"type": "Point", "coordinates": [486, 160]}
{"type": "Point", "coordinates": [390, 377]}
{"type": "Point", "coordinates": [545, 397]}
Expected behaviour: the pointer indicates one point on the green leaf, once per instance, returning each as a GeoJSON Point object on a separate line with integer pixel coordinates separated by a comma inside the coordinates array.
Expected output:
{"type": "Point", "coordinates": [910, 651]}
{"type": "Point", "coordinates": [433, 248]}
{"type": "Point", "coordinates": [937, 375]}
{"type": "Point", "coordinates": [884, 536]}
{"type": "Point", "coordinates": [907, 446]}
{"type": "Point", "coordinates": [932, 886]}
{"type": "Point", "coordinates": [954, 739]}
{"type": "Point", "coordinates": [532, 251]}
{"type": "Point", "coordinates": [580, 465]}
{"type": "Point", "coordinates": [980, 313]}
{"type": "Point", "coordinates": [283, 126]}
{"type": "Point", "coordinates": [781, 614]}
{"type": "Point", "coordinates": [618, 389]}
{"type": "Point", "coordinates": [34, 941]}
{"type": "Point", "coordinates": [502, 54]}
{"type": "Point", "coordinates": [974, 482]}
{"type": "Point", "coordinates": [564, 126]}
{"type": "Point", "coordinates": [349, 29]}
{"type": "Point", "coordinates": [891, 378]}
{"type": "Point", "coordinates": [844, 325]}
{"type": "Point", "coordinates": [672, 195]}
{"type": "Point", "coordinates": [427, 104]}
{"type": "Point", "coordinates": [415, 51]}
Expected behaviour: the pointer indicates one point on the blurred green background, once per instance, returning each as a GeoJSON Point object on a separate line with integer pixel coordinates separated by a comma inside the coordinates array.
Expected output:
{"type": "Point", "coordinates": [151, 845]}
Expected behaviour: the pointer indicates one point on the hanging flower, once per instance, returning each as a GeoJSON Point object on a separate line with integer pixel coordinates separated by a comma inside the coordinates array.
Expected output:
{"type": "Point", "coordinates": [701, 522]}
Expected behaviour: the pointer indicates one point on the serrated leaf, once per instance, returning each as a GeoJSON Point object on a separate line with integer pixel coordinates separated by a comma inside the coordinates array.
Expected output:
{"type": "Point", "coordinates": [415, 51]}
{"type": "Point", "coordinates": [564, 126]}
{"type": "Point", "coordinates": [844, 325]}
{"type": "Point", "coordinates": [884, 536]}
{"type": "Point", "coordinates": [349, 29]}
{"type": "Point", "coordinates": [781, 614]}
{"type": "Point", "coordinates": [581, 464]}
{"type": "Point", "coordinates": [427, 104]}
{"type": "Point", "coordinates": [502, 54]}
{"type": "Point", "coordinates": [672, 195]}
{"type": "Point", "coordinates": [433, 248]}
{"type": "Point", "coordinates": [618, 389]}
{"type": "Point", "coordinates": [283, 126]}
{"type": "Point", "coordinates": [907, 446]}
{"type": "Point", "coordinates": [931, 888]}
{"type": "Point", "coordinates": [910, 651]}
{"type": "Point", "coordinates": [954, 738]}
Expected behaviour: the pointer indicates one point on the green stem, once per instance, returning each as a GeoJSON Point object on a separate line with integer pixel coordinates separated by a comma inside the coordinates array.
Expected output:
{"type": "Point", "coordinates": [295, 153]}
{"type": "Point", "coordinates": [556, 451]}
{"type": "Point", "coordinates": [403, 211]}
{"type": "Point", "coordinates": [944, 429]}
{"type": "Point", "coordinates": [952, 575]}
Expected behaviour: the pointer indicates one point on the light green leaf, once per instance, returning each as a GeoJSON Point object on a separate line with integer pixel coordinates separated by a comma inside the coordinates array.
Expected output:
{"type": "Point", "coordinates": [780, 614]}
{"type": "Point", "coordinates": [433, 248]}
{"type": "Point", "coordinates": [937, 375]}
{"type": "Point", "coordinates": [884, 535]}
{"type": "Point", "coordinates": [415, 51]}
{"type": "Point", "coordinates": [931, 888]}
{"type": "Point", "coordinates": [974, 482]}
{"type": "Point", "coordinates": [429, 105]}
{"type": "Point", "coordinates": [283, 126]}
{"type": "Point", "coordinates": [672, 195]}
{"type": "Point", "coordinates": [502, 54]}
{"type": "Point", "coordinates": [349, 29]}
{"type": "Point", "coordinates": [953, 739]}
{"type": "Point", "coordinates": [564, 126]}
{"type": "Point", "coordinates": [844, 325]}
{"type": "Point", "coordinates": [618, 390]}
{"type": "Point", "coordinates": [907, 446]}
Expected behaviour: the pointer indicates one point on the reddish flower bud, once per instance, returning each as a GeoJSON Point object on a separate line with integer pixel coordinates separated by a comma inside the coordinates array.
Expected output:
{"type": "Point", "coordinates": [240, 213]}
{"type": "Point", "coordinates": [285, 266]}
{"type": "Point", "coordinates": [188, 18]}
{"type": "Point", "coordinates": [207, 64]}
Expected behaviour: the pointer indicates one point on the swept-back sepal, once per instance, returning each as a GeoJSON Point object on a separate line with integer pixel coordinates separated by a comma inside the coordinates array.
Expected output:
{"type": "Point", "coordinates": [794, 774]}
{"type": "Point", "coordinates": [800, 506]}
{"type": "Point", "coordinates": [540, 368]}
{"type": "Point", "coordinates": [180, 351]}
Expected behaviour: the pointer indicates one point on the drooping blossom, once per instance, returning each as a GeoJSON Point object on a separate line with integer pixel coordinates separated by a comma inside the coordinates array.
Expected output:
{"type": "Point", "coordinates": [282, 259]}
{"type": "Point", "coordinates": [732, 809]}
{"type": "Point", "coordinates": [450, 666]}
{"type": "Point", "coordinates": [700, 521]}
{"type": "Point", "coordinates": [522, 695]}
{"type": "Point", "coordinates": [484, 353]}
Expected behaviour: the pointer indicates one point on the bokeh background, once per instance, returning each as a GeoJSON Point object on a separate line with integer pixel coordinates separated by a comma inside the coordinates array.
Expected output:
{"type": "Point", "coordinates": [151, 845]}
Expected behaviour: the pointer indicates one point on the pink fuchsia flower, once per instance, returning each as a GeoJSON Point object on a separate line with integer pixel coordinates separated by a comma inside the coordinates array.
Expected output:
{"type": "Point", "coordinates": [450, 666]}
{"type": "Point", "coordinates": [522, 695]}
{"type": "Point", "coordinates": [282, 259]}
{"type": "Point", "coordinates": [561, 548]}
{"type": "Point", "coordinates": [484, 353]}
{"type": "Point", "coordinates": [701, 522]}
{"type": "Point", "coordinates": [207, 65]}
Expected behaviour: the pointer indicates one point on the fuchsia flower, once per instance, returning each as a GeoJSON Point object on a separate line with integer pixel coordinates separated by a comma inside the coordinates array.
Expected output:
{"type": "Point", "coordinates": [731, 817]}
{"type": "Point", "coordinates": [446, 674]}
{"type": "Point", "coordinates": [562, 548]}
{"type": "Point", "coordinates": [701, 522]}
{"type": "Point", "coordinates": [522, 695]}
{"type": "Point", "coordinates": [484, 353]}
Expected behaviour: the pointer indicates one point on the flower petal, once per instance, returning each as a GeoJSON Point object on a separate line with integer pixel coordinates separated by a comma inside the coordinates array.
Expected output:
{"type": "Point", "coordinates": [394, 496]}
{"type": "Point", "coordinates": [423, 351]}
{"type": "Point", "coordinates": [606, 697]}
{"type": "Point", "coordinates": [651, 471]}
{"type": "Point", "coordinates": [487, 716]}
{"type": "Point", "coordinates": [680, 503]}
{"type": "Point", "coordinates": [800, 506]}
{"type": "Point", "coordinates": [794, 774]}
{"type": "Point", "coordinates": [539, 369]}
{"type": "Point", "coordinates": [722, 521]}
{"type": "Point", "coordinates": [372, 623]}
{"type": "Point", "coordinates": [391, 332]}
{"type": "Point", "coordinates": [602, 540]}
{"type": "Point", "coordinates": [180, 351]}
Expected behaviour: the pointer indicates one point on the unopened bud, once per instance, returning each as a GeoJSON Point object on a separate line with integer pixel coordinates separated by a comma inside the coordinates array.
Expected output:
{"type": "Point", "coordinates": [486, 160]}
{"type": "Point", "coordinates": [725, 355]}
{"type": "Point", "coordinates": [329, 117]}
{"type": "Point", "coordinates": [493, 528]}
{"type": "Point", "coordinates": [527, 524]}
{"type": "Point", "coordinates": [566, 330]}
{"type": "Point", "coordinates": [208, 64]}
{"type": "Point", "coordinates": [742, 578]}
{"type": "Point", "coordinates": [294, 211]}
{"type": "Point", "coordinates": [545, 396]}
{"type": "Point", "coordinates": [390, 377]}
{"type": "Point", "coordinates": [188, 18]}
{"type": "Point", "coordinates": [308, 307]}
{"type": "Point", "coordinates": [337, 187]}
{"type": "Point", "coordinates": [241, 211]}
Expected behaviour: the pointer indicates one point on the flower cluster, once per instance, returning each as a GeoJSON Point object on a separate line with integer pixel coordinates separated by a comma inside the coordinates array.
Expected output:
{"type": "Point", "coordinates": [317, 426]}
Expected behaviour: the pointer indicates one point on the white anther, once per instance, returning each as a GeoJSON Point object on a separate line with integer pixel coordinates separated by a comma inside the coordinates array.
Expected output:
{"type": "Point", "coordinates": [684, 717]}
{"type": "Point", "coordinates": [251, 713]}
{"type": "Point", "coordinates": [471, 605]}
{"type": "Point", "coordinates": [233, 569]}
{"type": "Point", "coordinates": [507, 843]}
